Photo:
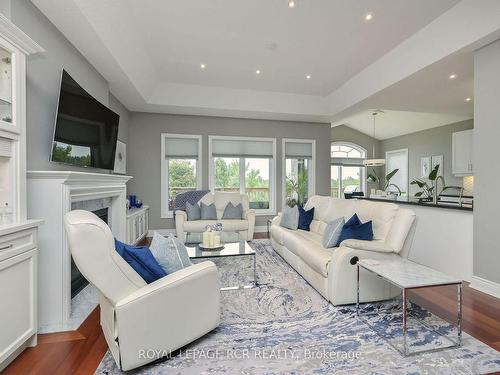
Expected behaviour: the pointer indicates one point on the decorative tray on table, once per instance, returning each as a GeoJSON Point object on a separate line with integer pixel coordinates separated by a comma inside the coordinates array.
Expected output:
{"type": "Point", "coordinates": [210, 248]}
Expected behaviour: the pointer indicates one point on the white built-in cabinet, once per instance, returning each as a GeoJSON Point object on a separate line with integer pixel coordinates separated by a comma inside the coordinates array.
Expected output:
{"type": "Point", "coordinates": [462, 152]}
{"type": "Point", "coordinates": [18, 235]}
{"type": "Point", "coordinates": [137, 224]}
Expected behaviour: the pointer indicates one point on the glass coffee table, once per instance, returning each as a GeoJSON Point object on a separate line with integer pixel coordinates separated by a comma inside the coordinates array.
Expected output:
{"type": "Point", "coordinates": [235, 248]}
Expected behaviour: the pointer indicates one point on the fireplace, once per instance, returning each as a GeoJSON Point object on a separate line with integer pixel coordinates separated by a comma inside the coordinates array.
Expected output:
{"type": "Point", "coordinates": [78, 282]}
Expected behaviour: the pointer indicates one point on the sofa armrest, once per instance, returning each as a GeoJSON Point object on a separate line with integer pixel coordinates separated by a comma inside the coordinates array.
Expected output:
{"type": "Point", "coordinates": [249, 215]}
{"type": "Point", "coordinates": [182, 214]}
{"type": "Point", "coordinates": [180, 218]}
{"type": "Point", "coordinates": [276, 220]}
{"type": "Point", "coordinates": [378, 246]}
{"type": "Point", "coordinates": [168, 313]}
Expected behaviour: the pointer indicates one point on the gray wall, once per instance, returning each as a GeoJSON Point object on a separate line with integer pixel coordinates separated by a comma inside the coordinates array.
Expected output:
{"type": "Point", "coordinates": [43, 78]}
{"type": "Point", "coordinates": [145, 157]}
{"type": "Point", "coordinates": [435, 141]}
{"type": "Point", "coordinates": [486, 176]}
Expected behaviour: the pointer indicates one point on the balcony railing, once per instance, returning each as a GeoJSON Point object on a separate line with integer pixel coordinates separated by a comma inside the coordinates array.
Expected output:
{"type": "Point", "coordinates": [258, 197]}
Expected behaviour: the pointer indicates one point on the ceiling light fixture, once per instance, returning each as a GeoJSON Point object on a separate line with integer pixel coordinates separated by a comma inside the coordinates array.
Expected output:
{"type": "Point", "coordinates": [203, 66]}
{"type": "Point", "coordinates": [257, 71]}
{"type": "Point", "coordinates": [374, 162]}
{"type": "Point", "coordinates": [291, 4]}
{"type": "Point", "coordinates": [368, 17]}
{"type": "Point", "coordinates": [308, 76]}
{"type": "Point", "coordinates": [468, 99]}
{"type": "Point", "coordinates": [453, 76]}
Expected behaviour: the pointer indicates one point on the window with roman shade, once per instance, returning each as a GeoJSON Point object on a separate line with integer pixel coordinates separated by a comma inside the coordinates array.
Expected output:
{"type": "Point", "coordinates": [298, 170]}
{"type": "Point", "coordinates": [181, 168]}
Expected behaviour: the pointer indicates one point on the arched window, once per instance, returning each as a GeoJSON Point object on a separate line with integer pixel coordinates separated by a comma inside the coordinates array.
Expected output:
{"type": "Point", "coordinates": [347, 172]}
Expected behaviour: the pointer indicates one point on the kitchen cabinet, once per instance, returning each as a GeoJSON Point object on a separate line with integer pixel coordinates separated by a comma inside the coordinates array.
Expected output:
{"type": "Point", "coordinates": [462, 153]}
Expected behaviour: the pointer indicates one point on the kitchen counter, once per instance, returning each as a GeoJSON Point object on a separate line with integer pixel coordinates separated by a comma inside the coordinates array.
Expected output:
{"type": "Point", "coordinates": [415, 202]}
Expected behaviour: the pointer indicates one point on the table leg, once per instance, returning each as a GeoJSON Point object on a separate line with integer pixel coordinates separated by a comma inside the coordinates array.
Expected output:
{"type": "Point", "coordinates": [357, 289]}
{"type": "Point", "coordinates": [404, 322]}
{"type": "Point", "coordinates": [459, 314]}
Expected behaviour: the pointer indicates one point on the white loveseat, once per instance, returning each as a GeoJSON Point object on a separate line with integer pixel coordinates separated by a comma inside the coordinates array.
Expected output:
{"type": "Point", "coordinates": [245, 226]}
{"type": "Point", "coordinates": [332, 272]}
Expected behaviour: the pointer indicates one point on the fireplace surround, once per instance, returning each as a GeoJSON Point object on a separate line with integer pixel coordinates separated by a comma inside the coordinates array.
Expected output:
{"type": "Point", "coordinates": [51, 195]}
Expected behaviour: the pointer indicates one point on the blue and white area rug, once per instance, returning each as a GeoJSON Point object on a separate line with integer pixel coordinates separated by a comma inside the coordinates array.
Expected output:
{"type": "Point", "coordinates": [285, 327]}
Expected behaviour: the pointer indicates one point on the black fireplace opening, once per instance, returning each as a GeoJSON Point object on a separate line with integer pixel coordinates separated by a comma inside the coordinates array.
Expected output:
{"type": "Point", "coordinates": [78, 282]}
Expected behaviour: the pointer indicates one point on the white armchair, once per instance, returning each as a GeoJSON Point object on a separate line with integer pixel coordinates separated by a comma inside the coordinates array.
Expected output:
{"type": "Point", "coordinates": [245, 226]}
{"type": "Point", "coordinates": [164, 315]}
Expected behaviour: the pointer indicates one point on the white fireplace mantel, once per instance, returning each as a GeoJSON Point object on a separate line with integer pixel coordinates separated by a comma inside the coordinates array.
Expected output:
{"type": "Point", "coordinates": [50, 197]}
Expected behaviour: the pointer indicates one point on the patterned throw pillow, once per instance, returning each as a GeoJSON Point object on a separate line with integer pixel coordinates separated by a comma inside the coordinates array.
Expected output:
{"type": "Point", "coordinates": [169, 252]}
{"type": "Point", "coordinates": [233, 212]}
{"type": "Point", "coordinates": [208, 212]}
{"type": "Point", "coordinates": [332, 232]}
{"type": "Point", "coordinates": [290, 218]}
{"type": "Point", "coordinates": [193, 211]}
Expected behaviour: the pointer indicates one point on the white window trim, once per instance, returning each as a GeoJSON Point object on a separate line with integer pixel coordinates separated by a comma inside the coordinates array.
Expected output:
{"type": "Point", "coordinates": [363, 169]}
{"type": "Point", "coordinates": [165, 212]}
{"type": "Point", "coordinates": [312, 184]}
{"type": "Point", "coordinates": [272, 170]}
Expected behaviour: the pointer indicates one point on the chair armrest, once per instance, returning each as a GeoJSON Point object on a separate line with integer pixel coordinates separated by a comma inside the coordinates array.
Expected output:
{"type": "Point", "coordinates": [181, 213]}
{"type": "Point", "coordinates": [378, 246]}
{"type": "Point", "coordinates": [168, 313]}
{"type": "Point", "coordinates": [248, 214]}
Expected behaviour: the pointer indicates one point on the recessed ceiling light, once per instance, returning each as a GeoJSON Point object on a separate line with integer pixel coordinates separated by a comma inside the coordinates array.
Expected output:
{"type": "Point", "coordinates": [368, 17]}
{"type": "Point", "coordinates": [308, 76]}
{"type": "Point", "coordinates": [203, 66]}
{"type": "Point", "coordinates": [291, 4]}
{"type": "Point", "coordinates": [453, 76]}
{"type": "Point", "coordinates": [257, 71]}
{"type": "Point", "coordinates": [468, 99]}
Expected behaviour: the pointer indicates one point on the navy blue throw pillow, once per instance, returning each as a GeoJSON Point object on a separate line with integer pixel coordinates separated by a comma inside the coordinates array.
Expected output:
{"type": "Point", "coordinates": [356, 230]}
{"type": "Point", "coordinates": [305, 218]}
{"type": "Point", "coordinates": [141, 260]}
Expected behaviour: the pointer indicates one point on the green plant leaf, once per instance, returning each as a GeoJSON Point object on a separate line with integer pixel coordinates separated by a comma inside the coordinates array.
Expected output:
{"type": "Point", "coordinates": [434, 173]}
{"type": "Point", "coordinates": [391, 174]}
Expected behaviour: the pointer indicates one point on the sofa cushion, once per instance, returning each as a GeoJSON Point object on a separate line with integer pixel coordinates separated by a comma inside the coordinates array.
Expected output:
{"type": "Point", "coordinates": [381, 214]}
{"type": "Point", "coordinates": [208, 212]}
{"type": "Point", "coordinates": [305, 218]}
{"type": "Point", "coordinates": [233, 212]}
{"type": "Point", "coordinates": [193, 211]}
{"type": "Point", "coordinates": [332, 232]}
{"type": "Point", "coordinates": [198, 226]}
{"type": "Point", "coordinates": [354, 229]}
{"type": "Point", "coordinates": [290, 218]}
{"type": "Point", "coordinates": [305, 246]}
{"type": "Point", "coordinates": [141, 260]}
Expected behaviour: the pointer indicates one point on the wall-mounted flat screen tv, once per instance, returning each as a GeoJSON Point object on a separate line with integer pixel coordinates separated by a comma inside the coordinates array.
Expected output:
{"type": "Point", "coordinates": [85, 131]}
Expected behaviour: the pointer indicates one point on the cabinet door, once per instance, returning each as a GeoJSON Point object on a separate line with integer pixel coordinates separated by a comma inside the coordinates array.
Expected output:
{"type": "Point", "coordinates": [18, 290]}
{"type": "Point", "coordinates": [462, 143]}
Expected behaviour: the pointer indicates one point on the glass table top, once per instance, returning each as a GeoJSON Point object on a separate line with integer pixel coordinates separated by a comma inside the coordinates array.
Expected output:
{"type": "Point", "coordinates": [232, 242]}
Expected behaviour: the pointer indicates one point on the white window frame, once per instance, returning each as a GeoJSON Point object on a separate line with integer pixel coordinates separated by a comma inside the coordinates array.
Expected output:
{"type": "Point", "coordinates": [363, 169]}
{"type": "Point", "coordinates": [312, 183]}
{"type": "Point", "coordinates": [272, 170]}
{"type": "Point", "coordinates": [165, 212]}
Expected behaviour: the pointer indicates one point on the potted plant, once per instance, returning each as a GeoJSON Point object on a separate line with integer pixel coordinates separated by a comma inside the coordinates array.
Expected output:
{"type": "Point", "coordinates": [296, 189]}
{"type": "Point", "coordinates": [373, 177]}
{"type": "Point", "coordinates": [427, 190]}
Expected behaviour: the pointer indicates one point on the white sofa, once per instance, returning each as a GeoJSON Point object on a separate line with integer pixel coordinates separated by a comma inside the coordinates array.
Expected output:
{"type": "Point", "coordinates": [332, 272]}
{"type": "Point", "coordinates": [165, 315]}
{"type": "Point", "coordinates": [245, 226]}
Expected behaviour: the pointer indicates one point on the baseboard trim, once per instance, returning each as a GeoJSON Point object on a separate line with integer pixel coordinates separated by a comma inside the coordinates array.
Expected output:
{"type": "Point", "coordinates": [166, 232]}
{"type": "Point", "coordinates": [485, 286]}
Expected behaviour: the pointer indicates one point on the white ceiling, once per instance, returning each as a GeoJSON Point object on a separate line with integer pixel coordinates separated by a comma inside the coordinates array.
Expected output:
{"type": "Point", "coordinates": [150, 51]}
{"type": "Point", "coordinates": [424, 100]}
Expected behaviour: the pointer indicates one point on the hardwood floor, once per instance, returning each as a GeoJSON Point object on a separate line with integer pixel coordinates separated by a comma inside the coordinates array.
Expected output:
{"type": "Point", "coordinates": [81, 351]}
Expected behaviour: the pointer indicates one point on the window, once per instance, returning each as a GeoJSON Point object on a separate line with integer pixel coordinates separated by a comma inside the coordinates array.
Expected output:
{"type": "Point", "coordinates": [245, 165]}
{"type": "Point", "coordinates": [298, 170]}
{"type": "Point", "coordinates": [180, 168]}
{"type": "Point", "coordinates": [347, 172]}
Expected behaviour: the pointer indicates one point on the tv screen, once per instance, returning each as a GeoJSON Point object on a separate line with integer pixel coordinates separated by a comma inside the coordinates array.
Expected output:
{"type": "Point", "coordinates": [86, 131]}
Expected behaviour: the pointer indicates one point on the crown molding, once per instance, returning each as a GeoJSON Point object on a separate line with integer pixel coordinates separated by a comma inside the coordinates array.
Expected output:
{"type": "Point", "coordinates": [17, 37]}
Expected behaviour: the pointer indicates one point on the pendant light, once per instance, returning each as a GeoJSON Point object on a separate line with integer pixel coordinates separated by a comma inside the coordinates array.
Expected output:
{"type": "Point", "coordinates": [373, 162]}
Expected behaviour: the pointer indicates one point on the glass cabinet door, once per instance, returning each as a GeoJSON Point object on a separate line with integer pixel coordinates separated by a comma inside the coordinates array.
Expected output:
{"type": "Point", "coordinates": [5, 86]}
